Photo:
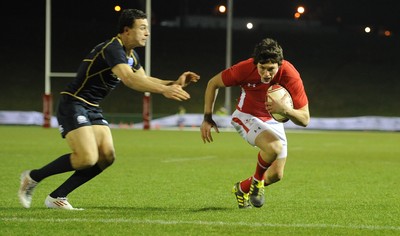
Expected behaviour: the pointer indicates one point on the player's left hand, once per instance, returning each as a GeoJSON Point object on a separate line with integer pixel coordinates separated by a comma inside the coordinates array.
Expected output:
{"type": "Point", "coordinates": [205, 128]}
{"type": "Point", "coordinates": [186, 78]}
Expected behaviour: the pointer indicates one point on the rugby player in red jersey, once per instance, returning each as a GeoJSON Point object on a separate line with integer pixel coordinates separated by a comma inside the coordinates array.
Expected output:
{"type": "Point", "coordinates": [252, 117]}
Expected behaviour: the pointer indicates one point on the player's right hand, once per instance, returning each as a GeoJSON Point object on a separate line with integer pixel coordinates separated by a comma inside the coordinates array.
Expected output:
{"type": "Point", "coordinates": [186, 78]}
{"type": "Point", "coordinates": [176, 92]}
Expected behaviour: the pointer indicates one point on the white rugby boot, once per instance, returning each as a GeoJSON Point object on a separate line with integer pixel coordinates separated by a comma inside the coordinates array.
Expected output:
{"type": "Point", "coordinates": [26, 188]}
{"type": "Point", "coordinates": [59, 203]}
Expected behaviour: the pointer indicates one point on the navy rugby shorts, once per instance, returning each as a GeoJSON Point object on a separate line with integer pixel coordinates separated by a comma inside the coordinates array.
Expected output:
{"type": "Point", "coordinates": [73, 113]}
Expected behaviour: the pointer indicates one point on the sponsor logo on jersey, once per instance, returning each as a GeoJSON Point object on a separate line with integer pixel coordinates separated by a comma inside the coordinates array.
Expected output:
{"type": "Point", "coordinates": [258, 129]}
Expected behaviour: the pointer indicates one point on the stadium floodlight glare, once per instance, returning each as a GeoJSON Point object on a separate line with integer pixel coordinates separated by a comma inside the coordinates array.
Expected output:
{"type": "Point", "coordinates": [117, 8]}
{"type": "Point", "coordinates": [221, 8]}
{"type": "Point", "coordinates": [387, 33]}
{"type": "Point", "coordinates": [299, 12]}
{"type": "Point", "coordinates": [301, 9]}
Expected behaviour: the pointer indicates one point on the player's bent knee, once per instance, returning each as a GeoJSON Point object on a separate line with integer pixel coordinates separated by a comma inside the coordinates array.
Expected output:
{"type": "Point", "coordinates": [110, 157]}
{"type": "Point", "coordinates": [88, 162]}
{"type": "Point", "coordinates": [106, 160]}
{"type": "Point", "coordinates": [273, 148]}
{"type": "Point", "coordinates": [110, 160]}
{"type": "Point", "coordinates": [84, 164]}
{"type": "Point", "coordinates": [83, 161]}
{"type": "Point", "coordinates": [279, 176]}
{"type": "Point", "coordinates": [276, 177]}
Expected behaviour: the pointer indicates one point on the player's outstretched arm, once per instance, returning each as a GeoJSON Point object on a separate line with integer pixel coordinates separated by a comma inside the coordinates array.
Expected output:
{"type": "Point", "coordinates": [139, 81]}
{"type": "Point", "coordinates": [183, 80]}
{"type": "Point", "coordinates": [209, 100]}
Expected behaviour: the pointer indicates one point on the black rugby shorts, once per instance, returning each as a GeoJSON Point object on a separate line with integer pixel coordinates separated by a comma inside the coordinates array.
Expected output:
{"type": "Point", "coordinates": [72, 114]}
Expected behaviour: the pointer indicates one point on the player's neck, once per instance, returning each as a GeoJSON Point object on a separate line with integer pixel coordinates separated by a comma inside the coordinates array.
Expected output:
{"type": "Point", "coordinates": [128, 50]}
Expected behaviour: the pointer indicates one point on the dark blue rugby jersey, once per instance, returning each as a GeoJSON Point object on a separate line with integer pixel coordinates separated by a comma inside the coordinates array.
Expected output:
{"type": "Point", "coordinates": [95, 80]}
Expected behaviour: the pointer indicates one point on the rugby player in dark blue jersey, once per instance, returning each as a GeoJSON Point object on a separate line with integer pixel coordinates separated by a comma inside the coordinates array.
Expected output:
{"type": "Point", "coordinates": [80, 117]}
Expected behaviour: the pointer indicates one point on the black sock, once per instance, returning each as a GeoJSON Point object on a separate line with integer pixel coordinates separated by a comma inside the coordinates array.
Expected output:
{"type": "Point", "coordinates": [77, 179]}
{"type": "Point", "coordinates": [58, 166]}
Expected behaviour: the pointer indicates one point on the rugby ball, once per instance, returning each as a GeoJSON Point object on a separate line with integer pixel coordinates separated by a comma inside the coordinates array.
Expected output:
{"type": "Point", "coordinates": [277, 92]}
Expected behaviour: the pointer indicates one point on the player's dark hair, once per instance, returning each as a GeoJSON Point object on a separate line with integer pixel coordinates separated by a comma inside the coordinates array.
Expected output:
{"type": "Point", "coordinates": [128, 17]}
{"type": "Point", "coordinates": [268, 50]}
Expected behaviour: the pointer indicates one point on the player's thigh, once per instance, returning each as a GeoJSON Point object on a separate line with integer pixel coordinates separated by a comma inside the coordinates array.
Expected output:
{"type": "Point", "coordinates": [269, 144]}
{"type": "Point", "coordinates": [82, 141]}
{"type": "Point", "coordinates": [104, 141]}
{"type": "Point", "coordinates": [272, 139]}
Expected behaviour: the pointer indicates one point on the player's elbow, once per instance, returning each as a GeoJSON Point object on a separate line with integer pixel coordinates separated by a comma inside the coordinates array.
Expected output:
{"type": "Point", "coordinates": [304, 125]}
{"type": "Point", "coordinates": [304, 122]}
{"type": "Point", "coordinates": [304, 117]}
{"type": "Point", "coordinates": [212, 85]}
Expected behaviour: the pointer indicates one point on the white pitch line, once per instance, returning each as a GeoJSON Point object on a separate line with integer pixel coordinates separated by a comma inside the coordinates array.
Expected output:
{"type": "Point", "coordinates": [217, 223]}
{"type": "Point", "coordinates": [189, 159]}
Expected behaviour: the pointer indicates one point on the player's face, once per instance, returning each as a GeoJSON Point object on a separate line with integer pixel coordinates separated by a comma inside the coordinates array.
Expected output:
{"type": "Point", "coordinates": [139, 33]}
{"type": "Point", "coordinates": [267, 71]}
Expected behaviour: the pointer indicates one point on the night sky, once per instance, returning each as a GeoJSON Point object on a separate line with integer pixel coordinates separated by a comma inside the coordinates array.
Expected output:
{"type": "Point", "coordinates": [348, 12]}
{"type": "Point", "coordinates": [385, 12]}
{"type": "Point", "coordinates": [26, 21]}
{"type": "Point", "coordinates": [94, 20]}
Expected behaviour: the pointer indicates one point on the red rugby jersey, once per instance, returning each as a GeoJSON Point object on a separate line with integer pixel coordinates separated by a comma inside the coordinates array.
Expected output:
{"type": "Point", "coordinates": [252, 97]}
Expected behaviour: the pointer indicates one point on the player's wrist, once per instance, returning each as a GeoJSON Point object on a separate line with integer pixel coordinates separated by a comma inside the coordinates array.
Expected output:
{"type": "Point", "coordinates": [208, 117]}
{"type": "Point", "coordinates": [164, 89]}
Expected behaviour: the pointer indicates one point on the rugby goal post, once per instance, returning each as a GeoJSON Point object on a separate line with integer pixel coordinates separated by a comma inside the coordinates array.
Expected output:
{"type": "Point", "coordinates": [147, 111]}
{"type": "Point", "coordinates": [47, 96]}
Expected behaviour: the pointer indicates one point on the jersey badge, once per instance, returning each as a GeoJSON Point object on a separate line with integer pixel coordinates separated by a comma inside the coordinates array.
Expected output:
{"type": "Point", "coordinates": [81, 119]}
{"type": "Point", "coordinates": [130, 61]}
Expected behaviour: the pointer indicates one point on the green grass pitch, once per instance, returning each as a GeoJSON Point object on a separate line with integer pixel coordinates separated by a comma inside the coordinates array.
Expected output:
{"type": "Point", "coordinates": [170, 183]}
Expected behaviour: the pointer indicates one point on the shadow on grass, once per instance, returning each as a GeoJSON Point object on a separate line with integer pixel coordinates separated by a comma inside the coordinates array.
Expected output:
{"type": "Point", "coordinates": [162, 209]}
{"type": "Point", "coordinates": [205, 209]}
{"type": "Point", "coordinates": [35, 210]}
